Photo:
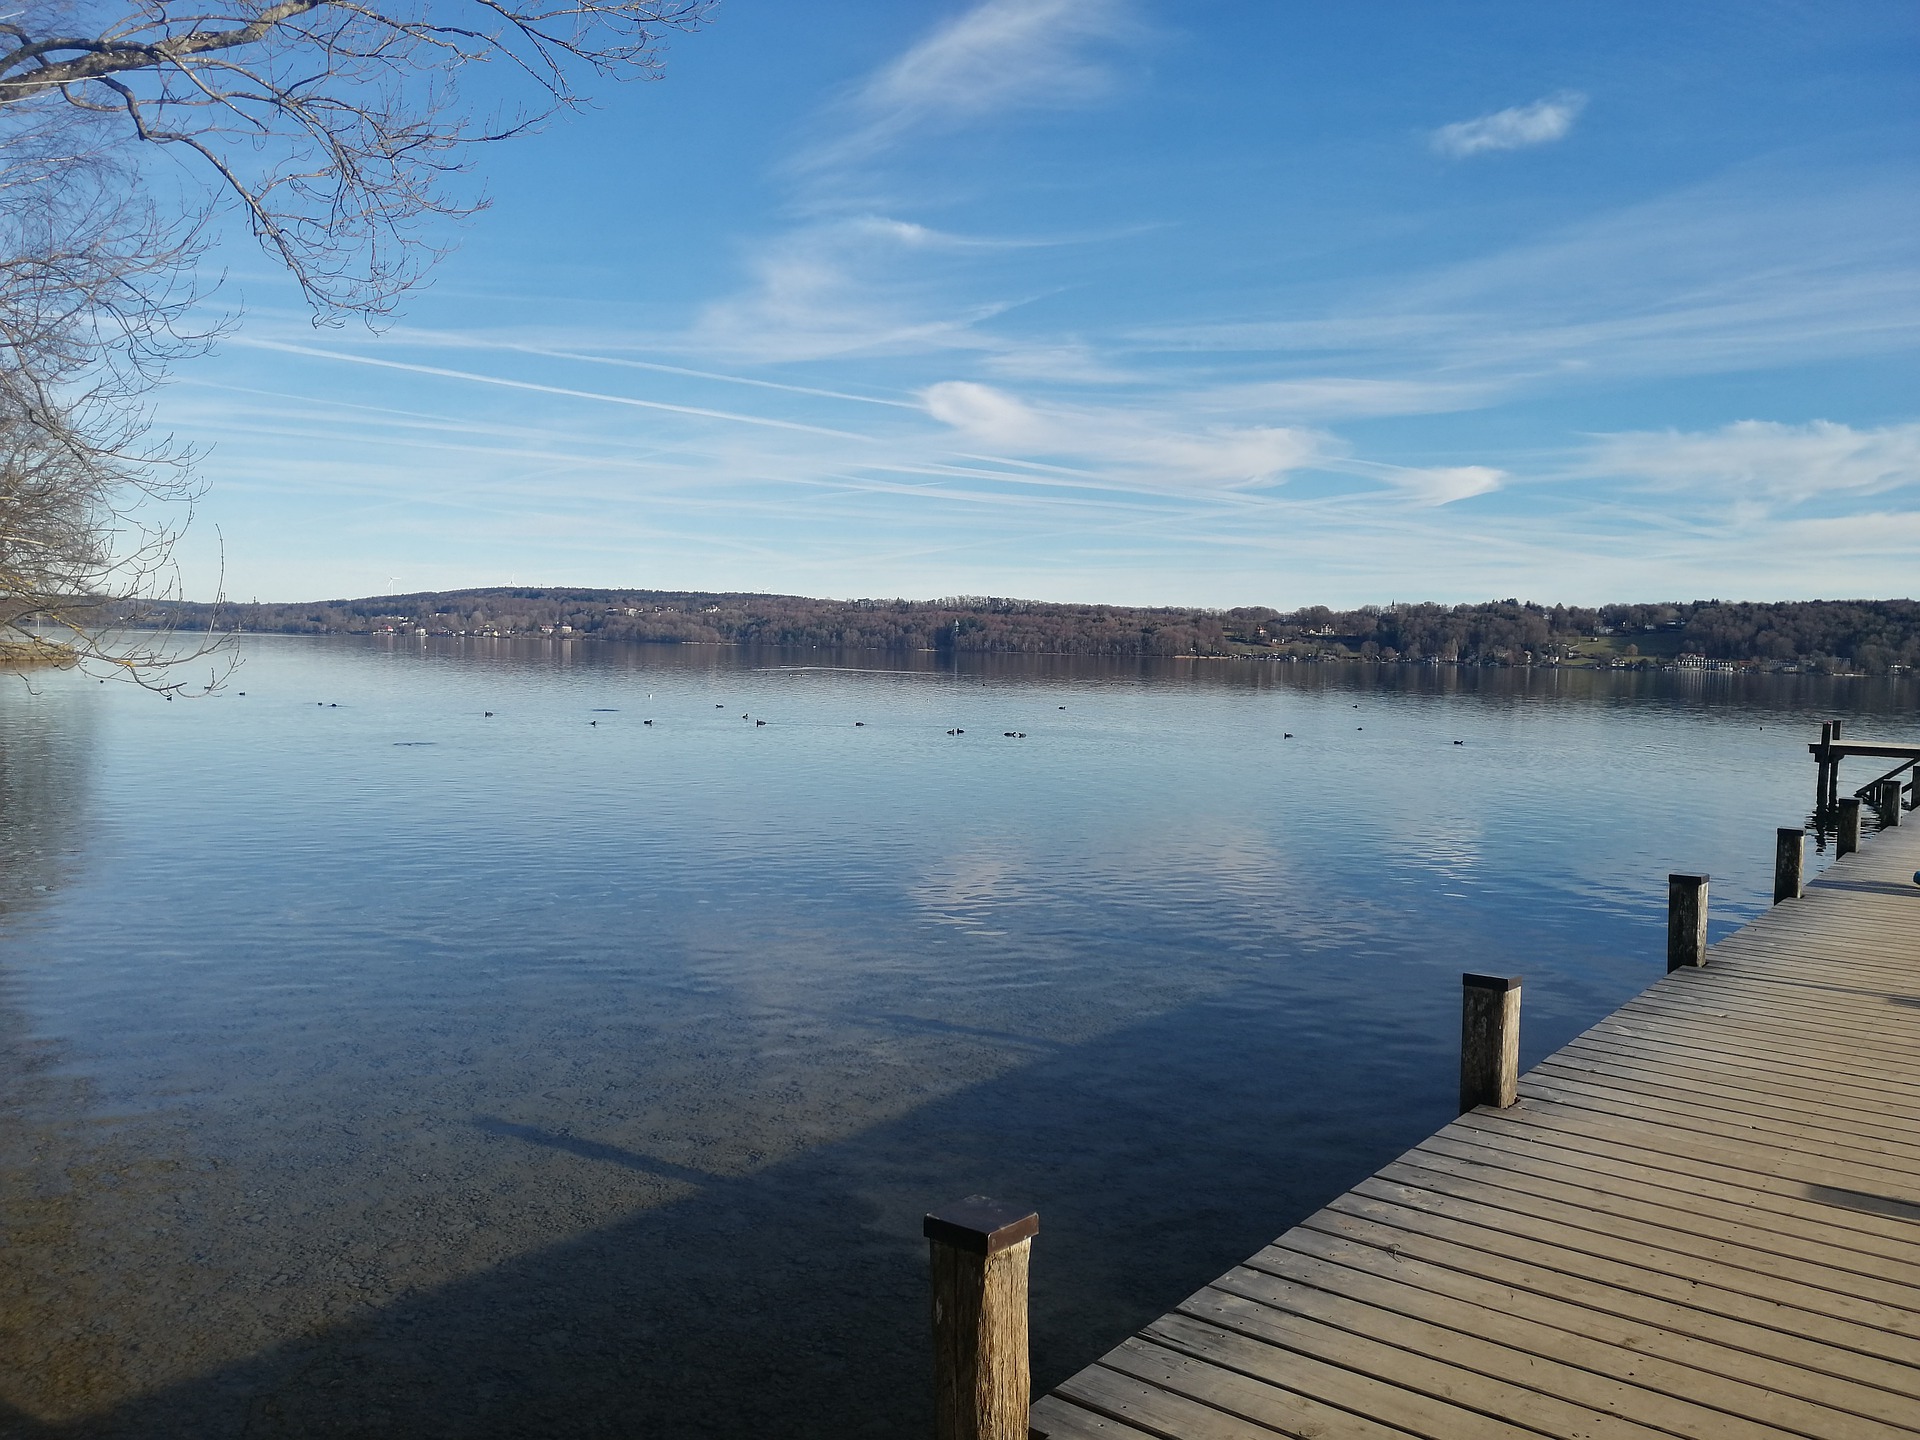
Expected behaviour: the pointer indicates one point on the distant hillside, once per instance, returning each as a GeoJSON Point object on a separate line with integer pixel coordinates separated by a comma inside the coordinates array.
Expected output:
{"type": "Point", "coordinates": [1864, 636]}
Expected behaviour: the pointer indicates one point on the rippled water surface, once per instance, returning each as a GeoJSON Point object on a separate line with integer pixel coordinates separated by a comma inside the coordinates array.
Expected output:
{"type": "Point", "coordinates": [373, 1065]}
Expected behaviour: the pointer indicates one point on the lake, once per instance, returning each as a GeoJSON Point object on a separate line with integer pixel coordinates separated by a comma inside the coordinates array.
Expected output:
{"type": "Point", "coordinates": [374, 1064]}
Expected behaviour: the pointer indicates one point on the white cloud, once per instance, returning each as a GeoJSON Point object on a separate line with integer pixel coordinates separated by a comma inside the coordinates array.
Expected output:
{"type": "Point", "coordinates": [1515, 128]}
{"type": "Point", "coordinates": [861, 285]}
{"type": "Point", "coordinates": [1126, 444]}
{"type": "Point", "coordinates": [1763, 460]}
{"type": "Point", "coordinates": [1000, 56]}
{"type": "Point", "coordinates": [1065, 361]}
{"type": "Point", "coordinates": [1329, 396]}
{"type": "Point", "coordinates": [1442, 485]}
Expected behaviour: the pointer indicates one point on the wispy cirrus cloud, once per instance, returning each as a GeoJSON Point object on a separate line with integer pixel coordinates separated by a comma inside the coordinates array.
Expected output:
{"type": "Point", "coordinates": [1436, 485]}
{"type": "Point", "coordinates": [1768, 266]}
{"type": "Point", "coordinates": [852, 276]}
{"type": "Point", "coordinates": [856, 285]}
{"type": "Point", "coordinates": [1519, 127]}
{"type": "Point", "coordinates": [1326, 397]}
{"type": "Point", "coordinates": [999, 57]}
{"type": "Point", "coordinates": [1767, 461]}
{"type": "Point", "coordinates": [1148, 452]}
{"type": "Point", "coordinates": [442, 372]}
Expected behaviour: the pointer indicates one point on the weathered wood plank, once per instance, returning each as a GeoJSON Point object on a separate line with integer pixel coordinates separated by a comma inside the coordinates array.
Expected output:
{"type": "Point", "coordinates": [1814, 1084]}
{"type": "Point", "coordinates": [1863, 1161]}
{"type": "Point", "coordinates": [1550, 1345]}
{"type": "Point", "coordinates": [1607, 1289]}
{"type": "Point", "coordinates": [1790, 1206]}
{"type": "Point", "coordinates": [1870, 1302]}
{"type": "Point", "coordinates": [1577, 1268]}
{"type": "Point", "coordinates": [1401, 1388]}
{"type": "Point", "coordinates": [1886, 1146]}
{"type": "Point", "coordinates": [1694, 1047]}
{"type": "Point", "coordinates": [1595, 1326]}
{"type": "Point", "coordinates": [1760, 1231]}
{"type": "Point", "coordinates": [1594, 1134]}
{"type": "Point", "coordinates": [1053, 1418]}
{"type": "Point", "coordinates": [1226, 1399]}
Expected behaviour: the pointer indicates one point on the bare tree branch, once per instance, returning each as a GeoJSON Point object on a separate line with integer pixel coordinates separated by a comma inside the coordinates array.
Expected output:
{"type": "Point", "coordinates": [336, 129]}
{"type": "Point", "coordinates": [335, 125]}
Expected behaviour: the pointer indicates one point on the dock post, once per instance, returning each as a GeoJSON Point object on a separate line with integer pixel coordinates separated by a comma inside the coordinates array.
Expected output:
{"type": "Point", "coordinates": [1789, 863]}
{"type": "Point", "coordinates": [1822, 769]}
{"type": "Point", "coordinates": [1833, 770]}
{"type": "Point", "coordinates": [1489, 1040]}
{"type": "Point", "coordinates": [1686, 920]}
{"type": "Point", "coordinates": [1849, 840]}
{"type": "Point", "coordinates": [1890, 793]}
{"type": "Point", "coordinates": [982, 1385]}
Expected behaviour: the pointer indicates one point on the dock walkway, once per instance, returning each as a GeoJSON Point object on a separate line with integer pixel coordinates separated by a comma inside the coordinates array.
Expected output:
{"type": "Point", "coordinates": [1701, 1219]}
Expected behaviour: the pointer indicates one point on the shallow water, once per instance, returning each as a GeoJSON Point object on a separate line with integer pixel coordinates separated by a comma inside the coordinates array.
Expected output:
{"type": "Point", "coordinates": [373, 1065]}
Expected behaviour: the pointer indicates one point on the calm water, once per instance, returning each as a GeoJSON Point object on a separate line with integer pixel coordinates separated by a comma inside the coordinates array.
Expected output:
{"type": "Point", "coordinates": [371, 1065]}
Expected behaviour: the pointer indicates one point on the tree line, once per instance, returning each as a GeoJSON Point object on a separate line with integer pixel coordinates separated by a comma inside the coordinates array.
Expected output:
{"type": "Point", "coordinates": [1872, 636]}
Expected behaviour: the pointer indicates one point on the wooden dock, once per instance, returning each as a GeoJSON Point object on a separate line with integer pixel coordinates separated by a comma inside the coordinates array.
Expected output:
{"type": "Point", "coordinates": [1701, 1218]}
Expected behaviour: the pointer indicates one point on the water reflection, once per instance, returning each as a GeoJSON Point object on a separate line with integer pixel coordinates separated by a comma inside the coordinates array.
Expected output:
{"type": "Point", "coordinates": [571, 1077]}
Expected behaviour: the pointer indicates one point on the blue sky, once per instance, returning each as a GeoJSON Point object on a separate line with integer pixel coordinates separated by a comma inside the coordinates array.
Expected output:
{"type": "Point", "coordinates": [1246, 303]}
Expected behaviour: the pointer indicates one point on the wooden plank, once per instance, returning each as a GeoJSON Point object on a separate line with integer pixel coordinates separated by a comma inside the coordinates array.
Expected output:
{"type": "Point", "coordinates": [1054, 1418]}
{"type": "Point", "coordinates": [1743, 1094]}
{"type": "Point", "coordinates": [1669, 1137]}
{"type": "Point", "coordinates": [1239, 1397]}
{"type": "Point", "coordinates": [1888, 1039]}
{"type": "Point", "coordinates": [1445, 1196]}
{"type": "Point", "coordinates": [1663, 1354]}
{"type": "Point", "coordinates": [1678, 1148]}
{"type": "Point", "coordinates": [1799, 1235]}
{"type": "Point", "coordinates": [1697, 1048]}
{"type": "Point", "coordinates": [1873, 1234]}
{"type": "Point", "coordinates": [1841, 1347]}
{"type": "Point", "coordinates": [1426, 1397]}
{"type": "Point", "coordinates": [1528, 1341]}
{"type": "Point", "coordinates": [1753, 982]}
{"type": "Point", "coordinates": [1725, 1247]}
{"type": "Point", "coordinates": [1888, 1143]}
{"type": "Point", "coordinates": [1888, 1174]}
{"type": "Point", "coordinates": [1144, 1405]}
{"type": "Point", "coordinates": [1794, 1031]}
{"type": "Point", "coordinates": [1816, 1085]}
{"type": "Point", "coordinates": [1803, 1094]}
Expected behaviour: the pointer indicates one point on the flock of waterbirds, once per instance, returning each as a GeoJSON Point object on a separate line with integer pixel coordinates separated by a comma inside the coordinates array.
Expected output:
{"type": "Point", "coordinates": [721, 705]}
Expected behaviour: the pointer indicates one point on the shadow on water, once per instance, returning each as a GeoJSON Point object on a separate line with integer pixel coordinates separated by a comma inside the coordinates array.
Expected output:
{"type": "Point", "coordinates": [792, 1302]}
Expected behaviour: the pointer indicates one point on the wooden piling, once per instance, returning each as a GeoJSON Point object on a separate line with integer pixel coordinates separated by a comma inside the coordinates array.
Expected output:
{"type": "Point", "coordinates": [1686, 920]}
{"type": "Point", "coordinates": [1849, 838]}
{"type": "Point", "coordinates": [1823, 770]}
{"type": "Point", "coordinates": [979, 1250]}
{"type": "Point", "coordinates": [1789, 863]}
{"type": "Point", "coordinates": [1833, 770]}
{"type": "Point", "coordinates": [1489, 1040]}
{"type": "Point", "coordinates": [1890, 792]}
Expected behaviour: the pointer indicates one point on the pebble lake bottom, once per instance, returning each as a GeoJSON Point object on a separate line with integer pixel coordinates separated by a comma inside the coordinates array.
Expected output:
{"type": "Point", "coordinates": [374, 1065]}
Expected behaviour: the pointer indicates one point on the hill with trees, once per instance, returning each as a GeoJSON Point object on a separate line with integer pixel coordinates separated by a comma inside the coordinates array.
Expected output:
{"type": "Point", "coordinates": [1850, 636]}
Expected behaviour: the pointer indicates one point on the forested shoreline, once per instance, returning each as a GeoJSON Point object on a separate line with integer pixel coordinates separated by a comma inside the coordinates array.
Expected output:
{"type": "Point", "coordinates": [1846, 636]}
